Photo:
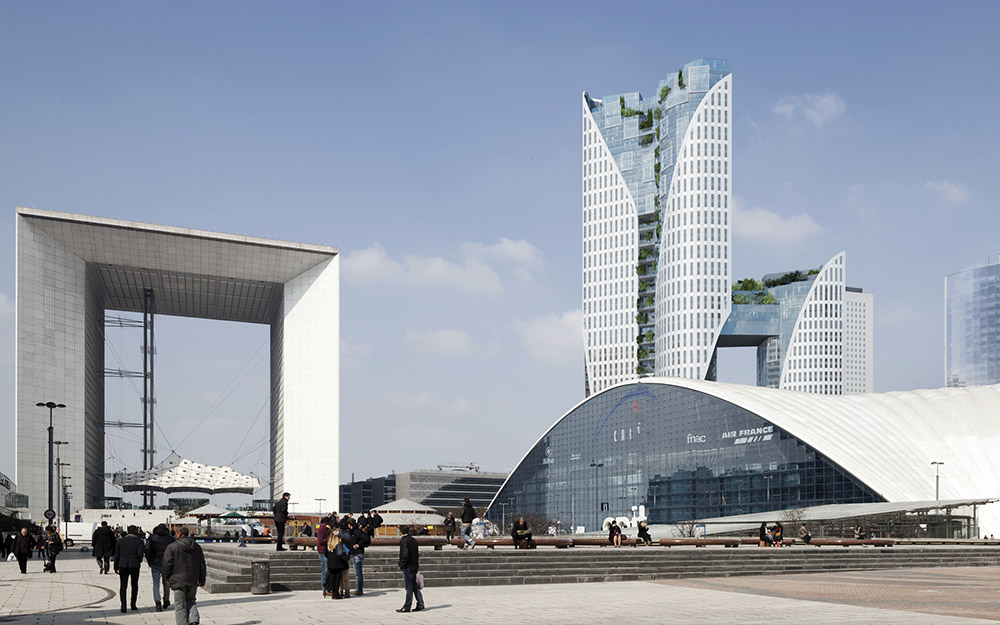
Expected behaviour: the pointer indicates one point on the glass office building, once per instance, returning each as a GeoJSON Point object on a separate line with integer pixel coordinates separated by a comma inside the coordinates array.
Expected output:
{"type": "Point", "coordinates": [656, 227]}
{"type": "Point", "coordinates": [693, 449]}
{"type": "Point", "coordinates": [972, 327]}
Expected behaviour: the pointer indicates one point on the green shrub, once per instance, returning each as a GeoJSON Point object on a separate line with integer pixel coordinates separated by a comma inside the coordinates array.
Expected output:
{"type": "Point", "coordinates": [664, 92]}
{"type": "Point", "coordinates": [680, 79]}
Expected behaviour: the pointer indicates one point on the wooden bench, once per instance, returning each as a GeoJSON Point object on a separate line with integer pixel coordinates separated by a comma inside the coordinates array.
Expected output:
{"type": "Point", "coordinates": [788, 542]}
{"type": "Point", "coordinates": [700, 542]}
{"type": "Point", "coordinates": [852, 542]}
{"type": "Point", "coordinates": [495, 541]}
{"type": "Point", "coordinates": [437, 542]}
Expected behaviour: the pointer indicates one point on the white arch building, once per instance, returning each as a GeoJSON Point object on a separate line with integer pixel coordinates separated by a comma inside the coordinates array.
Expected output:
{"type": "Point", "coordinates": [72, 268]}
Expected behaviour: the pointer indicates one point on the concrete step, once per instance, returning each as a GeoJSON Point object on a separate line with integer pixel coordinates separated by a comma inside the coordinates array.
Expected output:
{"type": "Point", "coordinates": [229, 568]}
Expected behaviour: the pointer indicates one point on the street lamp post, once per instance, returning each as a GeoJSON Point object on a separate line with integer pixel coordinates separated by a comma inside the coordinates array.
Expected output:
{"type": "Point", "coordinates": [51, 405]}
{"type": "Point", "coordinates": [59, 465]}
{"type": "Point", "coordinates": [937, 480]}
{"type": "Point", "coordinates": [503, 517]}
{"type": "Point", "coordinates": [769, 478]}
{"type": "Point", "coordinates": [597, 497]}
{"type": "Point", "coordinates": [319, 504]}
{"type": "Point", "coordinates": [63, 495]}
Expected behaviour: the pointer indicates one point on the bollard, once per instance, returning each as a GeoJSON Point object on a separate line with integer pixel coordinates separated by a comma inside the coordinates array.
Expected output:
{"type": "Point", "coordinates": [260, 578]}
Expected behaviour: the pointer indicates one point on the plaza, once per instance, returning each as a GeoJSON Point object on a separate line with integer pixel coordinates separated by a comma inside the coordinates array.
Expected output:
{"type": "Point", "coordinates": [913, 596]}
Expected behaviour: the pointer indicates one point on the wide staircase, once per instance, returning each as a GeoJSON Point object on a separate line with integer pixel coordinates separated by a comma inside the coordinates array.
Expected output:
{"type": "Point", "coordinates": [229, 568]}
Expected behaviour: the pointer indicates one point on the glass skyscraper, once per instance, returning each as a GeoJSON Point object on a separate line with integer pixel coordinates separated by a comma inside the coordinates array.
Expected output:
{"type": "Point", "coordinates": [972, 327]}
{"type": "Point", "coordinates": [656, 227]}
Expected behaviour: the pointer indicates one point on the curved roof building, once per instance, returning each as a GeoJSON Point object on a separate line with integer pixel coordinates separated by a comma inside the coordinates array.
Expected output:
{"type": "Point", "coordinates": [690, 449]}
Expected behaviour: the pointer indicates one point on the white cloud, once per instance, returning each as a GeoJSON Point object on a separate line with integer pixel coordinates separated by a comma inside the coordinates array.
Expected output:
{"type": "Point", "coordinates": [451, 342]}
{"type": "Point", "coordinates": [375, 265]}
{"type": "Point", "coordinates": [817, 108]}
{"type": "Point", "coordinates": [6, 305]}
{"type": "Point", "coordinates": [506, 250]}
{"type": "Point", "coordinates": [411, 401]}
{"type": "Point", "coordinates": [764, 226]}
{"type": "Point", "coordinates": [949, 192]}
{"type": "Point", "coordinates": [553, 338]}
{"type": "Point", "coordinates": [460, 406]}
{"type": "Point", "coordinates": [352, 353]}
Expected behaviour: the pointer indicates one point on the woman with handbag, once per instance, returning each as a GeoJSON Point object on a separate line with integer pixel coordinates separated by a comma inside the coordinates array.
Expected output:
{"type": "Point", "coordinates": [336, 564]}
{"type": "Point", "coordinates": [53, 546]}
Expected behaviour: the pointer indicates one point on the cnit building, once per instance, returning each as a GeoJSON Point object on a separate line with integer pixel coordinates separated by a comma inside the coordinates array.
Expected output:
{"type": "Point", "coordinates": [658, 295]}
{"type": "Point", "coordinates": [656, 430]}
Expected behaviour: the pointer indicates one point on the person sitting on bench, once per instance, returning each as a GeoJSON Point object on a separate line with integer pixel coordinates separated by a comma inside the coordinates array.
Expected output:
{"type": "Point", "coordinates": [520, 532]}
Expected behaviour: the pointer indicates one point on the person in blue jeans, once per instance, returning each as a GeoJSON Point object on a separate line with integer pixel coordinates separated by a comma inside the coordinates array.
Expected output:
{"type": "Point", "coordinates": [409, 564]}
{"type": "Point", "coordinates": [156, 545]}
{"type": "Point", "coordinates": [359, 540]}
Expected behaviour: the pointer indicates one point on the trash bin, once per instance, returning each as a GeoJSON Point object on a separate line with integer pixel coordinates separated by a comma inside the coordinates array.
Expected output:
{"type": "Point", "coordinates": [260, 578]}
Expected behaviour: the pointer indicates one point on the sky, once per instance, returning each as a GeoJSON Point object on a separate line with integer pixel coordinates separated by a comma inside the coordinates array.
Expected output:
{"type": "Point", "coordinates": [437, 145]}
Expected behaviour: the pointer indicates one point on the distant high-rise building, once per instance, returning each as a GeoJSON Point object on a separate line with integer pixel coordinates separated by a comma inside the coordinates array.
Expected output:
{"type": "Point", "coordinates": [656, 227]}
{"type": "Point", "coordinates": [859, 341]}
{"type": "Point", "coordinates": [972, 327]}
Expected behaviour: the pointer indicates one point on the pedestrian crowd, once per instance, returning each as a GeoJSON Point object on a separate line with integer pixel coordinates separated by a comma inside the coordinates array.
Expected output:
{"type": "Point", "coordinates": [176, 562]}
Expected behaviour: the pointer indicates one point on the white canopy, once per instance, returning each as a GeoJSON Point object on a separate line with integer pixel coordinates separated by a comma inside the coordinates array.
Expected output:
{"type": "Point", "coordinates": [175, 474]}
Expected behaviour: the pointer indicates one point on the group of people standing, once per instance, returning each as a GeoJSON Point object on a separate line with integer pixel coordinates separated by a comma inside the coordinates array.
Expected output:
{"type": "Point", "coordinates": [176, 563]}
{"type": "Point", "coordinates": [341, 543]}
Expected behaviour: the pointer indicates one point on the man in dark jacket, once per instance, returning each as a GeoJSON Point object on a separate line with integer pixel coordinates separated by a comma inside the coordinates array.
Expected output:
{"type": "Point", "coordinates": [103, 544]}
{"type": "Point", "coordinates": [409, 564]}
{"type": "Point", "coordinates": [374, 523]}
{"type": "Point", "coordinates": [155, 546]}
{"type": "Point", "coordinates": [468, 516]}
{"type": "Point", "coordinates": [359, 540]}
{"type": "Point", "coordinates": [280, 518]}
{"type": "Point", "coordinates": [22, 547]}
{"type": "Point", "coordinates": [128, 555]}
{"type": "Point", "coordinates": [184, 569]}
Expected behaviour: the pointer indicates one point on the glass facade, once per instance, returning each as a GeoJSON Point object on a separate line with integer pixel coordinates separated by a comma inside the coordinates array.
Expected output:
{"type": "Point", "coordinates": [972, 327]}
{"type": "Point", "coordinates": [681, 453]}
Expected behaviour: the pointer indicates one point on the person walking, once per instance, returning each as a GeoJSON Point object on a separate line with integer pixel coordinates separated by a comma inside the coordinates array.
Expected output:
{"type": "Point", "coordinates": [21, 547]}
{"type": "Point", "coordinates": [155, 548]}
{"type": "Point", "coordinates": [128, 557]}
{"type": "Point", "coordinates": [280, 518]}
{"type": "Point", "coordinates": [468, 516]}
{"type": "Point", "coordinates": [409, 564]}
{"type": "Point", "coordinates": [53, 547]}
{"type": "Point", "coordinates": [359, 540]}
{"type": "Point", "coordinates": [103, 545]}
{"type": "Point", "coordinates": [184, 568]}
{"type": "Point", "coordinates": [449, 526]}
{"type": "Point", "coordinates": [4, 546]}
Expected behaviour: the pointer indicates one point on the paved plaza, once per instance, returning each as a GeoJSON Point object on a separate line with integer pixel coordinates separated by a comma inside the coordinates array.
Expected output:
{"type": "Point", "coordinates": [77, 594]}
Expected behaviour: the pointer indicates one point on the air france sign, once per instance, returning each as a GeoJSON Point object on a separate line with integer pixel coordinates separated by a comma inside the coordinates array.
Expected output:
{"type": "Point", "coordinates": [750, 435]}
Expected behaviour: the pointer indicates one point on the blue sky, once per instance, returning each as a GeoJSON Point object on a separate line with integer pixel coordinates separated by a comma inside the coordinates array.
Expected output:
{"type": "Point", "coordinates": [438, 146]}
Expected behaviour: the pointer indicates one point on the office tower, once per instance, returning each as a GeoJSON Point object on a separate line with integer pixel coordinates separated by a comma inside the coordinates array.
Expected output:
{"type": "Point", "coordinates": [859, 341]}
{"type": "Point", "coordinates": [972, 327]}
{"type": "Point", "coordinates": [656, 227]}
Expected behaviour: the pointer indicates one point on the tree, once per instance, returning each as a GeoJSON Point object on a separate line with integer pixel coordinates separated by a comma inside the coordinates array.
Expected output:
{"type": "Point", "coordinates": [680, 79]}
{"type": "Point", "coordinates": [740, 298]}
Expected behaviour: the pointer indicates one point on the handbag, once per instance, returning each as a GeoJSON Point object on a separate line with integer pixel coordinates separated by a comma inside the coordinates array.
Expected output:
{"type": "Point", "coordinates": [420, 580]}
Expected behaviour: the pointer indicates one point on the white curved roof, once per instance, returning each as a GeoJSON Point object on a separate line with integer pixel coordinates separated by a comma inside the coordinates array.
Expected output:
{"type": "Point", "coordinates": [888, 440]}
{"type": "Point", "coordinates": [175, 474]}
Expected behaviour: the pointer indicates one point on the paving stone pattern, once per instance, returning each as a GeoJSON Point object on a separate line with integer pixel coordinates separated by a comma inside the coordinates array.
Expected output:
{"type": "Point", "coordinates": [78, 595]}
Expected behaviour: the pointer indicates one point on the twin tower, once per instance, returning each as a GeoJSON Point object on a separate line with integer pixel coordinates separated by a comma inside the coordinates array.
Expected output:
{"type": "Point", "coordinates": [658, 291]}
